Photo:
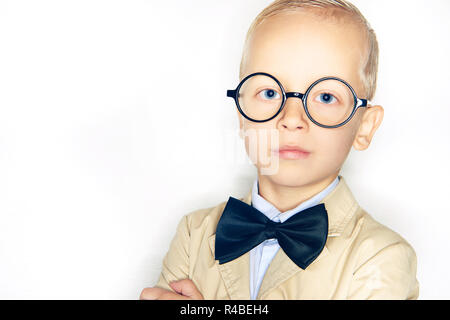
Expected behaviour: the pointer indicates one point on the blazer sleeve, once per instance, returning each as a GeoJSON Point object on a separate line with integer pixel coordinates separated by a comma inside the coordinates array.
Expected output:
{"type": "Point", "coordinates": [175, 265]}
{"type": "Point", "coordinates": [390, 274]}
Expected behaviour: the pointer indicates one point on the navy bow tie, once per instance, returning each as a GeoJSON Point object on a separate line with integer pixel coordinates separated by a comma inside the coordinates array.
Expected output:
{"type": "Point", "coordinates": [242, 227]}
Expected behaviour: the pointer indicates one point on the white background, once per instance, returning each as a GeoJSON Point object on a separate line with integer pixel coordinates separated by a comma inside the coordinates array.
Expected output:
{"type": "Point", "coordinates": [112, 123]}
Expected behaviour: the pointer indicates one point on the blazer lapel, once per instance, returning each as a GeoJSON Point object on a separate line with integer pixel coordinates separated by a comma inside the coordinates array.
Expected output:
{"type": "Point", "coordinates": [280, 269]}
{"type": "Point", "coordinates": [235, 274]}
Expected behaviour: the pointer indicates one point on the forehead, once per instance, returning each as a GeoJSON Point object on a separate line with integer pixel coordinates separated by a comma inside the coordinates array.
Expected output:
{"type": "Point", "coordinates": [299, 48]}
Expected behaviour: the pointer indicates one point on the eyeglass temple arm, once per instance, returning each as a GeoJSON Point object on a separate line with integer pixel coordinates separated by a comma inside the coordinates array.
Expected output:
{"type": "Point", "coordinates": [361, 103]}
{"type": "Point", "coordinates": [231, 93]}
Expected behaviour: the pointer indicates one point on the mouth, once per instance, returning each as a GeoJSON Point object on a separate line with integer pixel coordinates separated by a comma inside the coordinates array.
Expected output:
{"type": "Point", "coordinates": [291, 153]}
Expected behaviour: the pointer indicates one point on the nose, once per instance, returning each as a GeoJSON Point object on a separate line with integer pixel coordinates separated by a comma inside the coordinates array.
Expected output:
{"type": "Point", "coordinates": [293, 115]}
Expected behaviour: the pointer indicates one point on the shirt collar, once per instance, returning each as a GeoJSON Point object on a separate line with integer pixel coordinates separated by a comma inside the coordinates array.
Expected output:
{"type": "Point", "coordinates": [274, 214]}
{"type": "Point", "coordinates": [340, 203]}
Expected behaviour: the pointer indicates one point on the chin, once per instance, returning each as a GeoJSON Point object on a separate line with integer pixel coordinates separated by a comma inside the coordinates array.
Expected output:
{"type": "Point", "coordinates": [289, 176]}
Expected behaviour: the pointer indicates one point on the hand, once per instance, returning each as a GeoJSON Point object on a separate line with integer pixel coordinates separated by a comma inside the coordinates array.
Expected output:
{"type": "Point", "coordinates": [185, 290]}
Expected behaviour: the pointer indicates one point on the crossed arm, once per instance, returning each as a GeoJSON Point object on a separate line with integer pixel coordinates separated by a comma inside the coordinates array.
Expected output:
{"type": "Point", "coordinates": [184, 289]}
{"type": "Point", "coordinates": [175, 267]}
{"type": "Point", "coordinates": [388, 274]}
{"type": "Point", "coordinates": [370, 282]}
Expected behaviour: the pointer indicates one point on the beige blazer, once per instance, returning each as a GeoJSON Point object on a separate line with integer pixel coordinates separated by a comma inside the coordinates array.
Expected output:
{"type": "Point", "coordinates": [362, 259]}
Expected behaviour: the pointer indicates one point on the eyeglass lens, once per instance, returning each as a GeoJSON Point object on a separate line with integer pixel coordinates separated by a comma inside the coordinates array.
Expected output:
{"type": "Point", "coordinates": [330, 102]}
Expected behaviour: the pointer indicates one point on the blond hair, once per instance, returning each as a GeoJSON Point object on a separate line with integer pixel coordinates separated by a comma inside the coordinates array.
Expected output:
{"type": "Point", "coordinates": [326, 8]}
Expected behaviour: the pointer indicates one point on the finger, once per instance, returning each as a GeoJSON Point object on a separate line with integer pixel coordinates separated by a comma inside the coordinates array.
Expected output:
{"type": "Point", "coordinates": [150, 293]}
{"type": "Point", "coordinates": [160, 294]}
{"type": "Point", "coordinates": [187, 288]}
{"type": "Point", "coordinates": [168, 295]}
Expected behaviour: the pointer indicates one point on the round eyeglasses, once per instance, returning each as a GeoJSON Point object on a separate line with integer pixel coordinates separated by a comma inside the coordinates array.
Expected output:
{"type": "Point", "coordinates": [329, 102]}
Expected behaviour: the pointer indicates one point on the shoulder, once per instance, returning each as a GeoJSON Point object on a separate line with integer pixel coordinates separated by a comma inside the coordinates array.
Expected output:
{"type": "Point", "coordinates": [205, 220]}
{"type": "Point", "coordinates": [375, 239]}
{"type": "Point", "coordinates": [384, 264]}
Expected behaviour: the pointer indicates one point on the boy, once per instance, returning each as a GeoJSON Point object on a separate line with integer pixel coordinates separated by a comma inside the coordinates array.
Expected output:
{"type": "Point", "coordinates": [325, 53]}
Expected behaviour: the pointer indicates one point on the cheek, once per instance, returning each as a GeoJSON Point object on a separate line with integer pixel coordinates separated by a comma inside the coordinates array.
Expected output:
{"type": "Point", "coordinates": [259, 141]}
{"type": "Point", "coordinates": [335, 146]}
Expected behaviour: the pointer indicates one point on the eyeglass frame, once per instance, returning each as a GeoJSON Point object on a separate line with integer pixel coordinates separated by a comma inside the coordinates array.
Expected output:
{"type": "Point", "coordinates": [358, 102]}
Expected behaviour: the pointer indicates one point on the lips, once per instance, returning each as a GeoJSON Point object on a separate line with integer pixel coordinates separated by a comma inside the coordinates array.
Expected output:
{"type": "Point", "coordinates": [291, 152]}
{"type": "Point", "coordinates": [292, 148]}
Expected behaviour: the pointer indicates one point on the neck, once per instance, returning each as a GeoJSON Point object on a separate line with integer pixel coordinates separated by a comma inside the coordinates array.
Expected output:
{"type": "Point", "coordinates": [285, 197]}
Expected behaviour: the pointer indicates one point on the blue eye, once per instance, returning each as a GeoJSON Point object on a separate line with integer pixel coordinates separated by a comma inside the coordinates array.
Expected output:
{"type": "Point", "coordinates": [270, 94]}
{"type": "Point", "coordinates": [326, 98]}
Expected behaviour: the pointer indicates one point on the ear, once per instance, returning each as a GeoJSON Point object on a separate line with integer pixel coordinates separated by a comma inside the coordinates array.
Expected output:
{"type": "Point", "coordinates": [370, 122]}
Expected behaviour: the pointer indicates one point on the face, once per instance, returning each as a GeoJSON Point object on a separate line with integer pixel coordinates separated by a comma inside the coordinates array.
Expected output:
{"type": "Point", "coordinates": [299, 48]}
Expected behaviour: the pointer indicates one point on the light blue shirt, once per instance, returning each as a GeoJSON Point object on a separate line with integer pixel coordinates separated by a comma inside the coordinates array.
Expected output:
{"type": "Point", "coordinates": [262, 255]}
